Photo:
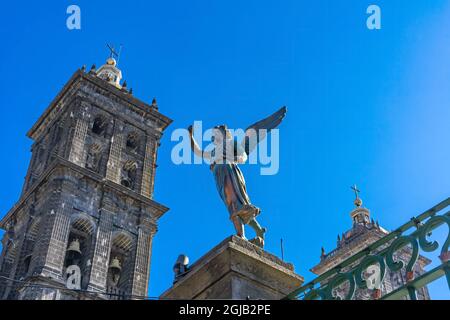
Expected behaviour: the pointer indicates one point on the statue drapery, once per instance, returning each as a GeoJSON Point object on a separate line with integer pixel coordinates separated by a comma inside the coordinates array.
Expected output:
{"type": "Point", "coordinates": [225, 157]}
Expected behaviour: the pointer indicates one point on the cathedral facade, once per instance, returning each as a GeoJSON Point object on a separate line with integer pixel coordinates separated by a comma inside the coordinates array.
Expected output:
{"type": "Point", "coordinates": [84, 224]}
{"type": "Point", "coordinates": [364, 232]}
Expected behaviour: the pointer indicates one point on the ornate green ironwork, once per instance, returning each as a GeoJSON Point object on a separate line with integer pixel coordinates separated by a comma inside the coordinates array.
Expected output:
{"type": "Point", "coordinates": [414, 234]}
{"type": "Point", "coordinates": [398, 244]}
{"type": "Point", "coordinates": [365, 263]}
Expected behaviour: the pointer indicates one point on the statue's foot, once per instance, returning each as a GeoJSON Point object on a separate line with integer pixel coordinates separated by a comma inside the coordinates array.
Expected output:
{"type": "Point", "coordinates": [258, 241]}
{"type": "Point", "coordinates": [241, 236]}
{"type": "Point", "coordinates": [262, 233]}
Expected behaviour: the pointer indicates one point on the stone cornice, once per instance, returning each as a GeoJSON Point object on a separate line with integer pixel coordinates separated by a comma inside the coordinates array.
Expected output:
{"type": "Point", "coordinates": [78, 76]}
{"type": "Point", "coordinates": [65, 164]}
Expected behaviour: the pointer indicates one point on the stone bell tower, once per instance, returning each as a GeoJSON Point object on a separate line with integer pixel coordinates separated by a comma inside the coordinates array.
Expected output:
{"type": "Point", "coordinates": [363, 233]}
{"type": "Point", "coordinates": [84, 224]}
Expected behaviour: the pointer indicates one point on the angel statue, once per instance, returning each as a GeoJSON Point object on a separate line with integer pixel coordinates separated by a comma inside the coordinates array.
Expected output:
{"type": "Point", "coordinates": [224, 158]}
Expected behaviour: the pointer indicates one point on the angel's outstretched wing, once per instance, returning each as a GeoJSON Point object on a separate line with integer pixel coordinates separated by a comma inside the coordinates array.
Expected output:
{"type": "Point", "coordinates": [259, 130]}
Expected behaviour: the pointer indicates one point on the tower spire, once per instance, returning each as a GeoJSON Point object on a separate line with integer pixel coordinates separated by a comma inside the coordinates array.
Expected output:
{"type": "Point", "coordinates": [358, 201]}
{"type": "Point", "coordinates": [359, 215]}
{"type": "Point", "coordinates": [109, 71]}
{"type": "Point", "coordinates": [113, 53]}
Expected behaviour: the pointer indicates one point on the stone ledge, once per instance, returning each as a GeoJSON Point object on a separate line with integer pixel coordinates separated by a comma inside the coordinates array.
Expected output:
{"type": "Point", "coordinates": [236, 269]}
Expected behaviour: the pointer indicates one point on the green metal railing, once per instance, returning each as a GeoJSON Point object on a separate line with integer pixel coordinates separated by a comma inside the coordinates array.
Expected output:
{"type": "Point", "coordinates": [413, 234]}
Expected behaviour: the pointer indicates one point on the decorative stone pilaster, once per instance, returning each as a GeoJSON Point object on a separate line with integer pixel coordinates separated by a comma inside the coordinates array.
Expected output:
{"type": "Point", "coordinates": [149, 168]}
{"type": "Point", "coordinates": [55, 240]}
{"type": "Point", "coordinates": [77, 153]}
{"type": "Point", "coordinates": [10, 286]}
{"type": "Point", "coordinates": [50, 248]}
{"type": "Point", "coordinates": [115, 155]}
{"type": "Point", "coordinates": [99, 270]}
{"type": "Point", "coordinates": [58, 242]}
{"type": "Point", "coordinates": [141, 273]}
{"type": "Point", "coordinates": [6, 264]}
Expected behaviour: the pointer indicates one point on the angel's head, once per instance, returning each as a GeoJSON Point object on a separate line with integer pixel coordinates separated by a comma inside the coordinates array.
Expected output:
{"type": "Point", "coordinates": [220, 133]}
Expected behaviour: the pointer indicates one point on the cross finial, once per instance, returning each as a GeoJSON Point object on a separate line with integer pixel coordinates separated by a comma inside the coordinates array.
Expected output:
{"type": "Point", "coordinates": [356, 190]}
{"type": "Point", "coordinates": [113, 53]}
{"type": "Point", "coordinates": [358, 201]}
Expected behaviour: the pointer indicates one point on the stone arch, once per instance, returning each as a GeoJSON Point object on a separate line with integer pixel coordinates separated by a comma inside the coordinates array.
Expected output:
{"type": "Point", "coordinates": [129, 174]}
{"type": "Point", "coordinates": [94, 156]}
{"type": "Point", "coordinates": [132, 141]}
{"type": "Point", "coordinates": [100, 124]}
{"type": "Point", "coordinates": [122, 239]}
{"type": "Point", "coordinates": [83, 222]}
{"type": "Point", "coordinates": [120, 264]}
{"type": "Point", "coordinates": [80, 245]}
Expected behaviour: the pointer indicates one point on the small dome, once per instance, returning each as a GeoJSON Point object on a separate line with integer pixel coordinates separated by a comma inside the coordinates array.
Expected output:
{"type": "Point", "coordinates": [111, 62]}
{"type": "Point", "coordinates": [110, 73]}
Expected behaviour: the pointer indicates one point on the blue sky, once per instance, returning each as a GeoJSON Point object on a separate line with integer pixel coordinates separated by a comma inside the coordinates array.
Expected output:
{"type": "Point", "coordinates": [364, 107]}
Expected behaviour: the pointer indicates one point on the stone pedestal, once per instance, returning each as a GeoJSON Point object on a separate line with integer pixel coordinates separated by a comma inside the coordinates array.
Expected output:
{"type": "Point", "coordinates": [236, 269]}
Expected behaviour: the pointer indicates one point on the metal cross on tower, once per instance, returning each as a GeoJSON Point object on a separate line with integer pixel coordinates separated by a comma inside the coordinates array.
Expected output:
{"type": "Point", "coordinates": [356, 190]}
{"type": "Point", "coordinates": [114, 53]}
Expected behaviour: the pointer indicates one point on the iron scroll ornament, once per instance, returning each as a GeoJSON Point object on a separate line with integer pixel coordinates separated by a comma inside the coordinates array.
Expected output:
{"type": "Point", "coordinates": [398, 244]}
{"type": "Point", "coordinates": [425, 231]}
{"type": "Point", "coordinates": [339, 280]}
{"type": "Point", "coordinates": [365, 263]}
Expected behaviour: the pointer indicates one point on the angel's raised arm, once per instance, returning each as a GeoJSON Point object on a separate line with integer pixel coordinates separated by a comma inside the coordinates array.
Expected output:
{"type": "Point", "coordinates": [259, 130]}
{"type": "Point", "coordinates": [196, 149]}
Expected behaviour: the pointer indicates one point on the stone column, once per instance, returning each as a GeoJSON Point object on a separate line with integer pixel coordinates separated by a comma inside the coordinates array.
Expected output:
{"type": "Point", "coordinates": [6, 263]}
{"type": "Point", "coordinates": [100, 259]}
{"type": "Point", "coordinates": [53, 241]}
{"type": "Point", "coordinates": [77, 153]}
{"type": "Point", "coordinates": [19, 239]}
{"type": "Point", "coordinates": [148, 174]}
{"type": "Point", "coordinates": [4, 242]}
{"type": "Point", "coordinates": [113, 169]}
{"type": "Point", "coordinates": [141, 272]}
